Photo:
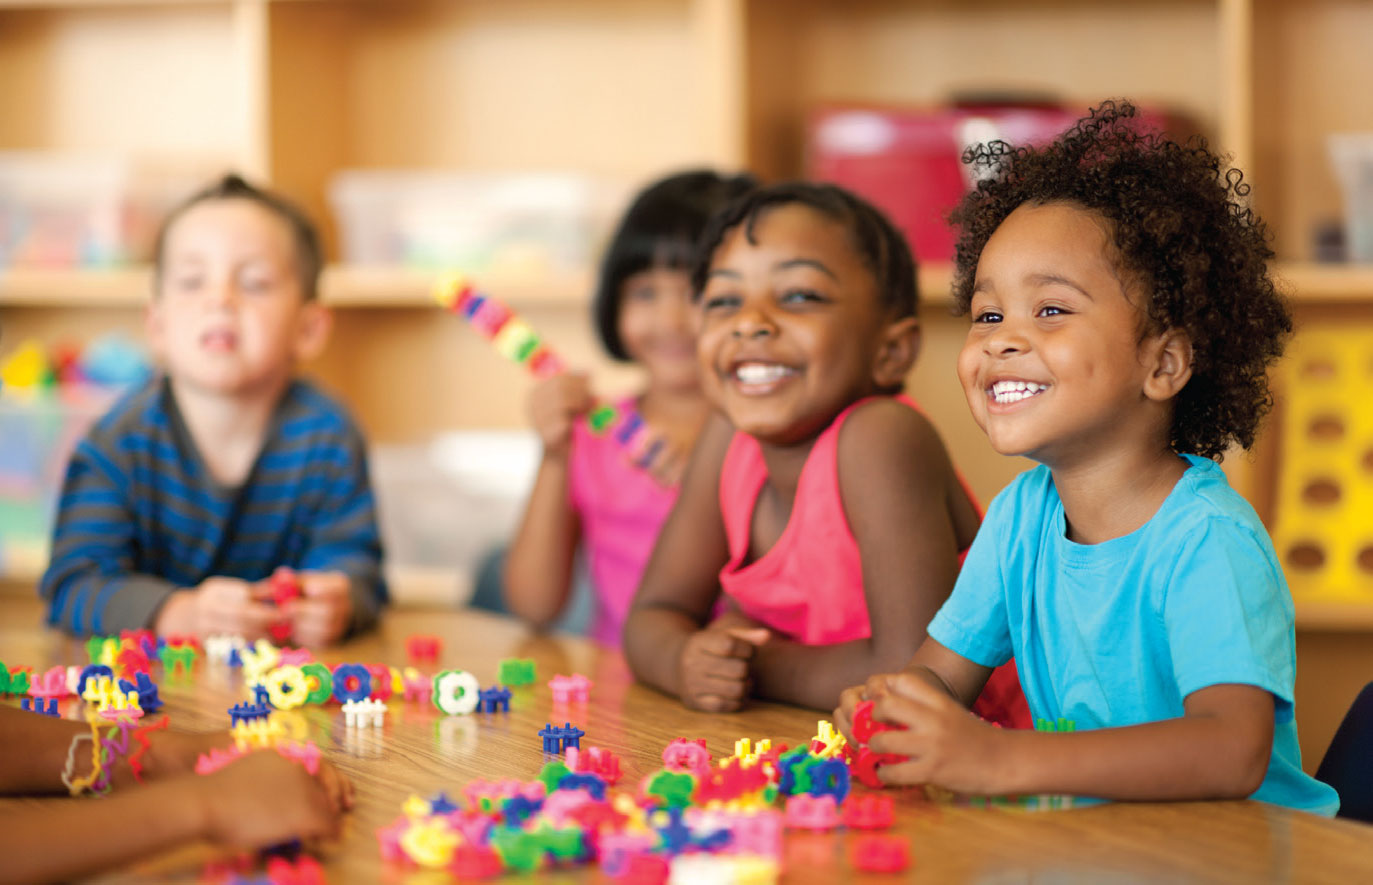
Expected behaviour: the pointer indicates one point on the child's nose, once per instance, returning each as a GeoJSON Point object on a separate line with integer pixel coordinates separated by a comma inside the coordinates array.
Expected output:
{"type": "Point", "coordinates": [1007, 340]}
{"type": "Point", "coordinates": [753, 323]}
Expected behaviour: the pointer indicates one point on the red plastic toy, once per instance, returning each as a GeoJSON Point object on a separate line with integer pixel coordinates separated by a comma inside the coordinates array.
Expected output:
{"type": "Point", "coordinates": [284, 586]}
{"type": "Point", "coordinates": [868, 812]}
{"type": "Point", "coordinates": [423, 647]}
{"type": "Point", "coordinates": [880, 854]}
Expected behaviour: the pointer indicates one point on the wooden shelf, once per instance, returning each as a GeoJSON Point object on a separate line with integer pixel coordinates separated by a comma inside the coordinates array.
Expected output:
{"type": "Point", "coordinates": [1334, 616]}
{"type": "Point", "coordinates": [1308, 282]}
{"type": "Point", "coordinates": [342, 286]}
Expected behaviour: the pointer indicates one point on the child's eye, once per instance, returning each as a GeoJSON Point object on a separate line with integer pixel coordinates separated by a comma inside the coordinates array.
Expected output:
{"type": "Point", "coordinates": [1051, 310]}
{"type": "Point", "coordinates": [719, 302]}
{"type": "Point", "coordinates": [801, 296]}
{"type": "Point", "coordinates": [642, 293]}
{"type": "Point", "coordinates": [987, 316]}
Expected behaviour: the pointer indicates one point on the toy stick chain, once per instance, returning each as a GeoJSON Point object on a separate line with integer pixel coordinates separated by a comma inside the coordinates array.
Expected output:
{"type": "Point", "coordinates": [514, 339]}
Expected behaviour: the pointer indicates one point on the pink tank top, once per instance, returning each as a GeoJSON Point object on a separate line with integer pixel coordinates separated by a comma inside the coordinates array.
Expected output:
{"type": "Point", "coordinates": [621, 509]}
{"type": "Point", "coordinates": [809, 585]}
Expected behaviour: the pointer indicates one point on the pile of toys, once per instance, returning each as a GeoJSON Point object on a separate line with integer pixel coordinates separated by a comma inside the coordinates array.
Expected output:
{"type": "Point", "coordinates": [693, 820]}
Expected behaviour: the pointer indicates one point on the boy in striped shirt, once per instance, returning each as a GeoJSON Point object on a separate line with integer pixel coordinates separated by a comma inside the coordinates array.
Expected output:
{"type": "Point", "coordinates": [181, 502]}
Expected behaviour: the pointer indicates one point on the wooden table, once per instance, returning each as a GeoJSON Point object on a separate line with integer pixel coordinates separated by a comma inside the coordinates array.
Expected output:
{"type": "Point", "coordinates": [421, 751]}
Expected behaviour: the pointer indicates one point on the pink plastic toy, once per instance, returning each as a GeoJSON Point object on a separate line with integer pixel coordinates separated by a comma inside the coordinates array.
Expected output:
{"type": "Point", "coordinates": [808, 812]}
{"type": "Point", "coordinates": [688, 756]}
{"type": "Point", "coordinates": [574, 688]}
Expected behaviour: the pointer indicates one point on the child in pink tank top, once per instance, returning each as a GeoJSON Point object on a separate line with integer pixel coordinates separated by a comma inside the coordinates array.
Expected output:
{"type": "Point", "coordinates": [820, 503]}
{"type": "Point", "coordinates": [587, 492]}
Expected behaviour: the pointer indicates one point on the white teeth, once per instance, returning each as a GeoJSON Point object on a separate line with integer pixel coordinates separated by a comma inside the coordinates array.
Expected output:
{"type": "Point", "coordinates": [1015, 391]}
{"type": "Point", "coordinates": [761, 373]}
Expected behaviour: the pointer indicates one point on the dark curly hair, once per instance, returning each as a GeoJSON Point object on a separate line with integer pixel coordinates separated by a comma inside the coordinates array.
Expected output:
{"type": "Point", "coordinates": [659, 229]}
{"type": "Point", "coordinates": [1181, 228]}
{"type": "Point", "coordinates": [881, 246]}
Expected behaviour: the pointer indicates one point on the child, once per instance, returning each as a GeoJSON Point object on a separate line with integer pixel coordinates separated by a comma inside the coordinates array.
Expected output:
{"type": "Point", "coordinates": [254, 802]}
{"type": "Point", "coordinates": [191, 491]}
{"type": "Point", "coordinates": [1122, 322]}
{"type": "Point", "coordinates": [588, 490]}
{"type": "Point", "coordinates": [825, 506]}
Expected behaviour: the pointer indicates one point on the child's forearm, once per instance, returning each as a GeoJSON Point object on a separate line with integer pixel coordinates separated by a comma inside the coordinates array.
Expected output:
{"type": "Point", "coordinates": [1192, 757]}
{"type": "Point", "coordinates": [61, 838]}
{"type": "Point", "coordinates": [653, 642]}
{"type": "Point", "coordinates": [538, 566]}
{"type": "Point", "coordinates": [815, 675]}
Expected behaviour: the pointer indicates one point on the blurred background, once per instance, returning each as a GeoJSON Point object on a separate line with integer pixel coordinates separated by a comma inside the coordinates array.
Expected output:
{"type": "Point", "coordinates": [503, 137]}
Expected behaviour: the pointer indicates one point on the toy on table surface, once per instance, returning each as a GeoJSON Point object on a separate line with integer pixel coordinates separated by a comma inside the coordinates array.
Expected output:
{"type": "Point", "coordinates": [514, 339]}
{"type": "Point", "coordinates": [284, 585]}
{"type": "Point", "coordinates": [516, 671]}
{"type": "Point", "coordinates": [574, 688]}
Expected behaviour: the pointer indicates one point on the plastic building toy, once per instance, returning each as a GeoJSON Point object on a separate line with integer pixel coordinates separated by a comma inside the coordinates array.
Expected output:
{"type": "Point", "coordinates": [286, 687]}
{"type": "Point", "coordinates": [423, 648]}
{"type": "Point", "coordinates": [417, 687]}
{"type": "Point", "coordinates": [36, 705]}
{"type": "Point", "coordinates": [516, 671]}
{"type": "Point", "coordinates": [284, 586]}
{"type": "Point", "coordinates": [177, 657]}
{"type": "Point", "coordinates": [381, 681]}
{"type": "Point", "coordinates": [880, 854]}
{"type": "Point", "coordinates": [220, 646]}
{"type": "Point", "coordinates": [556, 739]}
{"type": "Point", "coordinates": [319, 683]}
{"type": "Point", "coordinates": [864, 727]}
{"type": "Point", "coordinates": [812, 812]}
{"type": "Point", "coordinates": [19, 680]}
{"type": "Point", "coordinates": [495, 698]}
{"type": "Point", "coordinates": [361, 714]}
{"type": "Point", "coordinates": [91, 671]}
{"type": "Point", "coordinates": [672, 788]}
{"type": "Point", "coordinates": [570, 688]}
{"type": "Point", "coordinates": [146, 689]}
{"type": "Point", "coordinates": [687, 755]}
{"type": "Point", "coordinates": [52, 684]}
{"type": "Point", "coordinates": [596, 761]}
{"type": "Point", "coordinates": [245, 712]}
{"type": "Point", "coordinates": [352, 682]}
{"type": "Point", "coordinates": [456, 692]}
{"type": "Point", "coordinates": [864, 763]}
{"type": "Point", "coordinates": [868, 812]}
{"type": "Point", "coordinates": [827, 742]}
{"type": "Point", "coordinates": [514, 339]}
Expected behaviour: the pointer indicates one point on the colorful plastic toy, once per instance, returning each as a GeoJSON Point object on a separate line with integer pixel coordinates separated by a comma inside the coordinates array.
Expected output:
{"type": "Point", "coordinates": [868, 812]}
{"type": "Point", "coordinates": [319, 683]}
{"type": "Point", "coordinates": [556, 740]}
{"type": "Point", "coordinates": [456, 692]}
{"type": "Point", "coordinates": [812, 812]}
{"type": "Point", "coordinates": [417, 687]}
{"type": "Point", "coordinates": [37, 705]}
{"type": "Point", "coordinates": [687, 755]}
{"type": "Point", "coordinates": [880, 854]}
{"type": "Point", "coordinates": [352, 682]}
{"type": "Point", "coordinates": [361, 714]}
{"type": "Point", "coordinates": [516, 671]}
{"type": "Point", "coordinates": [495, 698]}
{"type": "Point", "coordinates": [423, 648]}
{"type": "Point", "coordinates": [573, 688]}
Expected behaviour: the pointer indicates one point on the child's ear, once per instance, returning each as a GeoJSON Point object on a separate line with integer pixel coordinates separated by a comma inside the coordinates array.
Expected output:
{"type": "Point", "coordinates": [1171, 365]}
{"type": "Point", "coordinates": [312, 330]}
{"type": "Point", "coordinates": [896, 352]}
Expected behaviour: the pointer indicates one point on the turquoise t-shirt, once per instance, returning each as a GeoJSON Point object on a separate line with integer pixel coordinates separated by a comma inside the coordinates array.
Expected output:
{"type": "Point", "coordinates": [1119, 633]}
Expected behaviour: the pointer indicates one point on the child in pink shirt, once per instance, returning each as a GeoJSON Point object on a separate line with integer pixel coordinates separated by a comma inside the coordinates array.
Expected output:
{"type": "Point", "coordinates": [589, 492]}
{"type": "Point", "coordinates": [821, 503]}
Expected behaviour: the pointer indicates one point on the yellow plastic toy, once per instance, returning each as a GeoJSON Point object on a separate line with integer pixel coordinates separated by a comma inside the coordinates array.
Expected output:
{"type": "Point", "coordinates": [1323, 530]}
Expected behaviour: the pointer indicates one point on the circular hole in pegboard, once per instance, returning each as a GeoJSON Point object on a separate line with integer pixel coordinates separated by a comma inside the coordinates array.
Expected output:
{"type": "Point", "coordinates": [1326, 428]}
{"type": "Point", "coordinates": [1318, 369]}
{"type": "Point", "coordinates": [1322, 492]}
{"type": "Point", "coordinates": [1365, 559]}
{"type": "Point", "coordinates": [1306, 556]}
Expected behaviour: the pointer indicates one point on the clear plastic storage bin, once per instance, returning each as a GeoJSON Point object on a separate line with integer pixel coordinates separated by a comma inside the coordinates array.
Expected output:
{"type": "Point", "coordinates": [1351, 154]}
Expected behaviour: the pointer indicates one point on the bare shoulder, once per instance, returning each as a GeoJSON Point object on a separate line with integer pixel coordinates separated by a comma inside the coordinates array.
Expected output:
{"type": "Point", "coordinates": [889, 429]}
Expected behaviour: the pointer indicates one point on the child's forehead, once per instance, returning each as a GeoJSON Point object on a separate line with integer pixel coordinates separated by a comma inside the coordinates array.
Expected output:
{"type": "Point", "coordinates": [794, 227]}
{"type": "Point", "coordinates": [235, 225]}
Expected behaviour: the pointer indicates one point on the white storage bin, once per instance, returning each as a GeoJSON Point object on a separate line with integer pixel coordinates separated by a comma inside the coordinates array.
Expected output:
{"type": "Point", "coordinates": [1352, 156]}
{"type": "Point", "coordinates": [443, 505]}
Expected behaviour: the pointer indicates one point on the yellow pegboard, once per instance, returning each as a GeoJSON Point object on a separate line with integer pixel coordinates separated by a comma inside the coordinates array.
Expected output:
{"type": "Point", "coordinates": [1324, 505]}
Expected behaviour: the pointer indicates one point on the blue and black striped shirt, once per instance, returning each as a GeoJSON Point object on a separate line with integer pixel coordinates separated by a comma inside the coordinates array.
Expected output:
{"type": "Point", "coordinates": [141, 517]}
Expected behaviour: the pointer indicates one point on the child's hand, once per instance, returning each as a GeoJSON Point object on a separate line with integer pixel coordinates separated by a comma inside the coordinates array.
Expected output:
{"type": "Point", "coordinates": [554, 405]}
{"type": "Point", "coordinates": [217, 605]}
{"type": "Point", "coordinates": [668, 462]}
{"type": "Point", "coordinates": [264, 799]}
{"type": "Point", "coordinates": [324, 610]}
{"type": "Point", "coordinates": [947, 745]}
{"type": "Point", "coordinates": [714, 667]}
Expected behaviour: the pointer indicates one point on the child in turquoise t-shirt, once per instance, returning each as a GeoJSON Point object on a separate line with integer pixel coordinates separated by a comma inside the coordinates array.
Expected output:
{"type": "Point", "coordinates": [1122, 323]}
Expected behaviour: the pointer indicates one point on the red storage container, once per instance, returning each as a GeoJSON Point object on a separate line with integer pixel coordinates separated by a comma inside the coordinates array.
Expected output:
{"type": "Point", "coordinates": [907, 161]}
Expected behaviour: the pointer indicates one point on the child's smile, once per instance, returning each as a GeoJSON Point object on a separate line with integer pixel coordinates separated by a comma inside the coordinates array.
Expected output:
{"type": "Point", "coordinates": [1053, 365]}
{"type": "Point", "coordinates": [788, 316]}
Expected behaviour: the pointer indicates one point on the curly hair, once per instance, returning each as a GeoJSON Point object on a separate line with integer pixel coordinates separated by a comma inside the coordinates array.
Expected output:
{"type": "Point", "coordinates": [1181, 228]}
